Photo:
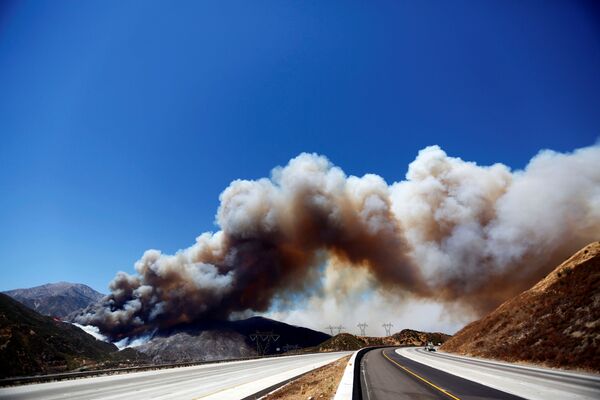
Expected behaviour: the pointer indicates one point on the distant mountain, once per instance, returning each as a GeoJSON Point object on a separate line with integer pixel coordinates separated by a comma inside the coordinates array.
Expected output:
{"type": "Point", "coordinates": [556, 322]}
{"type": "Point", "coordinates": [290, 335]}
{"type": "Point", "coordinates": [216, 340]}
{"type": "Point", "coordinates": [406, 337]}
{"type": "Point", "coordinates": [31, 344]}
{"type": "Point", "coordinates": [56, 299]}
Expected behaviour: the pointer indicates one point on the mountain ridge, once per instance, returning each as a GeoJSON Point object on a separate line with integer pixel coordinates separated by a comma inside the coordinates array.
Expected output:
{"type": "Point", "coordinates": [56, 299]}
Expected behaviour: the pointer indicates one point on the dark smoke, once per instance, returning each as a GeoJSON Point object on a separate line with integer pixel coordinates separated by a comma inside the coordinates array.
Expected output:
{"type": "Point", "coordinates": [453, 231]}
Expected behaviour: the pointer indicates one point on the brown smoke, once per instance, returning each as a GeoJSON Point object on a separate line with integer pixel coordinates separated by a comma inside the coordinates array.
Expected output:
{"type": "Point", "coordinates": [453, 231]}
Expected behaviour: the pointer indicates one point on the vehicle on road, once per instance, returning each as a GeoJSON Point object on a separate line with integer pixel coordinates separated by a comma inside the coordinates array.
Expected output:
{"type": "Point", "coordinates": [429, 346]}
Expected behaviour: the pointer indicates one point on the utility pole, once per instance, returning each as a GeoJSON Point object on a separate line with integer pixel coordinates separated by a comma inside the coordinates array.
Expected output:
{"type": "Point", "coordinates": [388, 328]}
{"type": "Point", "coordinates": [263, 340]}
{"type": "Point", "coordinates": [339, 329]}
{"type": "Point", "coordinates": [362, 326]}
{"type": "Point", "coordinates": [331, 328]}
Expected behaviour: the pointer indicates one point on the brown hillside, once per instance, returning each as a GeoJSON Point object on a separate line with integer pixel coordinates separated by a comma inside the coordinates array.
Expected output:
{"type": "Point", "coordinates": [342, 342]}
{"type": "Point", "coordinates": [408, 337]}
{"type": "Point", "coordinates": [555, 323]}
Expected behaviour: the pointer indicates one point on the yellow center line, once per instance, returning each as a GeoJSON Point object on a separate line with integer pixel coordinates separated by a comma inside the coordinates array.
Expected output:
{"type": "Point", "coordinates": [421, 378]}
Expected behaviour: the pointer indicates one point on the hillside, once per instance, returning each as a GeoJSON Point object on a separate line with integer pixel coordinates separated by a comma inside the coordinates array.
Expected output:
{"type": "Point", "coordinates": [189, 346]}
{"type": "Point", "coordinates": [32, 344]}
{"type": "Point", "coordinates": [342, 342]}
{"type": "Point", "coordinates": [56, 299]}
{"type": "Point", "coordinates": [217, 340]}
{"type": "Point", "coordinates": [555, 323]}
{"type": "Point", "coordinates": [406, 337]}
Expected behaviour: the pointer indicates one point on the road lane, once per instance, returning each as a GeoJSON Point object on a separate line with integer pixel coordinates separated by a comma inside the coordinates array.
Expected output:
{"type": "Point", "coordinates": [230, 380]}
{"type": "Point", "coordinates": [381, 380]}
{"type": "Point", "coordinates": [387, 375]}
{"type": "Point", "coordinates": [526, 381]}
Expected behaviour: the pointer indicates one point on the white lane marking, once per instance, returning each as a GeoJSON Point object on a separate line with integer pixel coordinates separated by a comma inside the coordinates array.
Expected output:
{"type": "Point", "coordinates": [362, 368]}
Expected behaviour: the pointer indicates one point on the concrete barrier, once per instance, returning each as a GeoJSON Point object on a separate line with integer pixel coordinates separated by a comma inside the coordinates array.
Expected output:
{"type": "Point", "coordinates": [346, 386]}
{"type": "Point", "coordinates": [349, 387]}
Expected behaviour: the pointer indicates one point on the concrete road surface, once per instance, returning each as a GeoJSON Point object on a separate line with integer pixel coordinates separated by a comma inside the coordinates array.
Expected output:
{"type": "Point", "coordinates": [387, 375]}
{"type": "Point", "coordinates": [229, 380]}
{"type": "Point", "coordinates": [526, 381]}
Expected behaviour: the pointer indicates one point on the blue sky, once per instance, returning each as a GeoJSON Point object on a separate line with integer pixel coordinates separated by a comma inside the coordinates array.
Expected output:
{"type": "Point", "coordinates": [122, 121]}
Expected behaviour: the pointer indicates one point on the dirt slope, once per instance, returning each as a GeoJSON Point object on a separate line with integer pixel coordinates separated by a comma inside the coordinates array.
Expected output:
{"type": "Point", "coordinates": [320, 383]}
{"type": "Point", "coordinates": [555, 323]}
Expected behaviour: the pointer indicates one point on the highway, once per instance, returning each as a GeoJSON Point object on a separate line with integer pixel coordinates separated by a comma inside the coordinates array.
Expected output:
{"type": "Point", "coordinates": [526, 381]}
{"type": "Point", "coordinates": [228, 380]}
{"type": "Point", "coordinates": [412, 373]}
{"type": "Point", "coordinates": [388, 375]}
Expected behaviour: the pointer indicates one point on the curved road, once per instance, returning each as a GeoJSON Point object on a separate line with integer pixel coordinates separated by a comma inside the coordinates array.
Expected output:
{"type": "Point", "coordinates": [388, 375]}
{"type": "Point", "coordinates": [412, 373]}
{"type": "Point", "coordinates": [531, 382]}
{"type": "Point", "coordinates": [228, 380]}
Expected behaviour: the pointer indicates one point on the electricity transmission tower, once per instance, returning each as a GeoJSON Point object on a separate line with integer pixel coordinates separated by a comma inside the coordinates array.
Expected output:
{"type": "Point", "coordinates": [263, 340]}
{"type": "Point", "coordinates": [335, 330]}
{"type": "Point", "coordinates": [388, 328]}
{"type": "Point", "coordinates": [362, 326]}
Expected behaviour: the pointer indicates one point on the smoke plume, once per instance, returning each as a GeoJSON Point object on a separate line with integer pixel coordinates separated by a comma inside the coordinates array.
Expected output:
{"type": "Point", "coordinates": [452, 232]}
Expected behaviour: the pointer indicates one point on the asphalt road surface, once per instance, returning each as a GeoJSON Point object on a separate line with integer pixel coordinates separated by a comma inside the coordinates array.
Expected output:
{"type": "Point", "coordinates": [531, 382]}
{"type": "Point", "coordinates": [388, 375]}
{"type": "Point", "coordinates": [229, 380]}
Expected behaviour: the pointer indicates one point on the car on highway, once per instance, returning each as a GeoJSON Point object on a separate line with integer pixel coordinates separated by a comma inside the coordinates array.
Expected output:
{"type": "Point", "coordinates": [429, 346]}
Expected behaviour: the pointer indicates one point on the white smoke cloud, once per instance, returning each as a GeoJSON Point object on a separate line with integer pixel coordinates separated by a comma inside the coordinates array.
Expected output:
{"type": "Point", "coordinates": [92, 330]}
{"type": "Point", "coordinates": [134, 341]}
{"type": "Point", "coordinates": [471, 227]}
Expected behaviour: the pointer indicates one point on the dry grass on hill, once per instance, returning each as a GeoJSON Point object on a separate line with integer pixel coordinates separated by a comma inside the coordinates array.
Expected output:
{"type": "Point", "coordinates": [555, 323]}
